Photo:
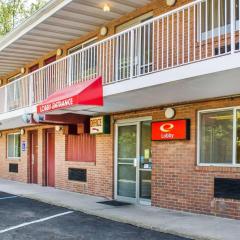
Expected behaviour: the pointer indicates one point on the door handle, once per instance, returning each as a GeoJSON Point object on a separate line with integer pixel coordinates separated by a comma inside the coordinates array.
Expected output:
{"type": "Point", "coordinates": [32, 159]}
{"type": "Point", "coordinates": [135, 162]}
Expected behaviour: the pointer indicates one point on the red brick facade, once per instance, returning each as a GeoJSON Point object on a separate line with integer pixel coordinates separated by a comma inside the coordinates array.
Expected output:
{"type": "Point", "coordinates": [177, 181]}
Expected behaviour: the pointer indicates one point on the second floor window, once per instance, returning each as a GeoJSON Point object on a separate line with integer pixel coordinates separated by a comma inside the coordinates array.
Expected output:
{"type": "Point", "coordinates": [83, 64]}
{"type": "Point", "coordinates": [82, 45]}
{"type": "Point", "coordinates": [143, 44]}
{"type": "Point", "coordinates": [214, 16]}
{"type": "Point", "coordinates": [12, 79]}
{"type": "Point", "coordinates": [13, 96]}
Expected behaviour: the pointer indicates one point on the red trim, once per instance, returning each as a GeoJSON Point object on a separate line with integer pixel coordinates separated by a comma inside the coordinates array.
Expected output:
{"type": "Point", "coordinates": [33, 68]}
{"type": "Point", "coordinates": [86, 93]}
{"type": "Point", "coordinates": [50, 60]}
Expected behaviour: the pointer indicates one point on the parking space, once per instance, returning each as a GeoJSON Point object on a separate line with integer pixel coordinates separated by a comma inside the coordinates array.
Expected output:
{"type": "Point", "coordinates": [24, 219]}
{"type": "Point", "coordinates": [4, 195]}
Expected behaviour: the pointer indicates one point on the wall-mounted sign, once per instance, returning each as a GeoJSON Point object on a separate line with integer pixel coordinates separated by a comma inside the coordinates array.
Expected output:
{"type": "Point", "coordinates": [65, 103]}
{"type": "Point", "coordinates": [171, 130]}
{"type": "Point", "coordinates": [100, 125]}
{"type": "Point", "coordinates": [24, 146]}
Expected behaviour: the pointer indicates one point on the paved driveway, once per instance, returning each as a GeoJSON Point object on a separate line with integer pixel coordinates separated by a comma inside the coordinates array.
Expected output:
{"type": "Point", "coordinates": [25, 219]}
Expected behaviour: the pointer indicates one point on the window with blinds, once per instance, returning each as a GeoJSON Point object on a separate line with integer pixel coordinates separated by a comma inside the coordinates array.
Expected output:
{"type": "Point", "coordinates": [81, 148]}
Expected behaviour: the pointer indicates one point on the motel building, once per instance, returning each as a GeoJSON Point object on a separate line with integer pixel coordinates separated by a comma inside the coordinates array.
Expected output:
{"type": "Point", "coordinates": [134, 100]}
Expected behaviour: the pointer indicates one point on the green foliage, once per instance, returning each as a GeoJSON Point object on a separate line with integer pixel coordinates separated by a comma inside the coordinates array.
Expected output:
{"type": "Point", "coordinates": [13, 12]}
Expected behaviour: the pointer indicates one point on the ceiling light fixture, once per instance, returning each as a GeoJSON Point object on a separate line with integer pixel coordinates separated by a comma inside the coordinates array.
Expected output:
{"type": "Point", "coordinates": [106, 8]}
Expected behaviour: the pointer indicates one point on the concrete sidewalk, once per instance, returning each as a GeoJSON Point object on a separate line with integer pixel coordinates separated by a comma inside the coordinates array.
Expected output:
{"type": "Point", "coordinates": [180, 223]}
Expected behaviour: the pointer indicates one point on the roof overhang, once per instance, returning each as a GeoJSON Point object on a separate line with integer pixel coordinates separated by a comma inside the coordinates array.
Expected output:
{"type": "Point", "coordinates": [59, 22]}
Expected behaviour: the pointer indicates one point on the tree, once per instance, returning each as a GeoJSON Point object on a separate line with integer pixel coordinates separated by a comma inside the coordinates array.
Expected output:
{"type": "Point", "coordinates": [13, 12]}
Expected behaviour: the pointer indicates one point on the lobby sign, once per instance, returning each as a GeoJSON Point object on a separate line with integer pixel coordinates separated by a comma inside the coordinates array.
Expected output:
{"type": "Point", "coordinates": [100, 125]}
{"type": "Point", "coordinates": [171, 130]}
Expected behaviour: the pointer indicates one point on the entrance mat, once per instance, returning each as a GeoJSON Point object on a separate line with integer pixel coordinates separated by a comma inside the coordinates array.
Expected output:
{"type": "Point", "coordinates": [115, 203]}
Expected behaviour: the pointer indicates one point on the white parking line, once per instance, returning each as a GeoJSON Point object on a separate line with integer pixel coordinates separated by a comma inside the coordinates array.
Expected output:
{"type": "Point", "coordinates": [33, 222]}
{"type": "Point", "coordinates": [8, 197]}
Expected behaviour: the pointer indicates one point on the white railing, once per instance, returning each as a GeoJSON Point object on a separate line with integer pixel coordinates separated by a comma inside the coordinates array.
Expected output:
{"type": "Point", "coordinates": [200, 30]}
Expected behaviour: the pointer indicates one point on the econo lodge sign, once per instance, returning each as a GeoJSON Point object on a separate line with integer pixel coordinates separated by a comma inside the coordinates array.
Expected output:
{"type": "Point", "coordinates": [171, 130]}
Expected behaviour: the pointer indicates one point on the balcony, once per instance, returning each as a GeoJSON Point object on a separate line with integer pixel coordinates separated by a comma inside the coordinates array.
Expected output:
{"type": "Point", "coordinates": [201, 30]}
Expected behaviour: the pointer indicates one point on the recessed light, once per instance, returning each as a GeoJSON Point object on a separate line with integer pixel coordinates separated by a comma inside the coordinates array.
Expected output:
{"type": "Point", "coordinates": [106, 8]}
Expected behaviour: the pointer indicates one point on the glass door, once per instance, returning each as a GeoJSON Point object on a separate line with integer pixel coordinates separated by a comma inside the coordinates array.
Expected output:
{"type": "Point", "coordinates": [127, 161]}
{"type": "Point", "coordinates": [133, 162]}
{"type": "Point", "coordinates": [145, 166]}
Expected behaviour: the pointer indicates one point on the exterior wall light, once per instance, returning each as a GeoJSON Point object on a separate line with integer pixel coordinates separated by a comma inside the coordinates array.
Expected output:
{"type": "Point", "coordinates": [106, 8]}
{"type": "Point", "coordinates": [170, 113]}
{"type": "Point", "coordinates": [22, 131]}
{"type": "Point", "coordinates": [23, 70]}
{"type": "Point", "coordinates": [103, 31]}
{"type": "Point", "coordinates": [26, 117]}
{"type": "Point", "coordinates": [171, 3]}
{"type": "Point", "coordinates": [59, 52]}
{"type": "Point", "coordinates": [58, 128]}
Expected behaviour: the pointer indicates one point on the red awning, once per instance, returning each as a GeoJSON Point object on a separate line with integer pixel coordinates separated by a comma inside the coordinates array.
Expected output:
{"type": "Point", "coordinates": [89, 93]}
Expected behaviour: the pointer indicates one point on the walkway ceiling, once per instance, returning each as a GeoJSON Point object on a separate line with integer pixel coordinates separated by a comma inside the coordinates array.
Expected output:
{"type": "Point", "coordinates": [59, 22]}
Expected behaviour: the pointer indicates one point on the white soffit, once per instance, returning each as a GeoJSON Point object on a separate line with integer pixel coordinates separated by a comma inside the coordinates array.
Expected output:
{"type": "Point", "coordinates": [55, 24]}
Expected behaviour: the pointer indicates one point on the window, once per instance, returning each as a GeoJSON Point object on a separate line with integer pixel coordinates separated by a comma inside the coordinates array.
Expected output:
{"type": "Point", "coordinates": [83, 65]}
{"type": "Point", "coordinates": [215, 16]}
{"type": "Point", "coordinates": [219, 137]}
{"type": "Point", "coordinates": [134, 22]}
{"type": "Point", "coordinates": [14, 145]}
{"type": "Point", "coordinates": [13, 95]}
{"type": "Point", "coordinates": [143, 45]}
{"type": "Point", "coordinates": [82, 45]}
{"type": "Point", "coordinates": [11, 79]}
{"type": "Point", "coordinates": [238, 136]}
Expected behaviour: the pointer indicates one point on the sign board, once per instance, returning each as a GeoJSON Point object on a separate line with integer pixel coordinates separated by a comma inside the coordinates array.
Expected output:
{"type": "Point", "coordinates": [100, 125]}
{"type": "Point", "coordinates": [24, 146]}
{"type": "Point", "coordinates": [65, 103]}
{"type": "Point", "coordinates": [171, 130]}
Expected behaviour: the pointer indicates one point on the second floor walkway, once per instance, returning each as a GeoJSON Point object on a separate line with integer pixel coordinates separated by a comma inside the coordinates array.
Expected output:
{"type": "Point", "coordinates": [199, 38]}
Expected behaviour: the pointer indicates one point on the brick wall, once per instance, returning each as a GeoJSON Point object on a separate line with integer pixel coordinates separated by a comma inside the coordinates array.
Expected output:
{"type": "Point", "coordinates": [99, 174]}
{"type": "Point", "coordinates": [4, 162]}
{"type": "Point", "coordinates": [177, 182]}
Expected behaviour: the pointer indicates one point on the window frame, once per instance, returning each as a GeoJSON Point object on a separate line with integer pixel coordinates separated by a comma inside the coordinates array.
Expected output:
{"type": "Point", "coordinates": [14, 158]}
{"type": "Point", "coordinates": [234, 146]}
{"type": "Point", "coordinates": [12, 82]}
{"type": "Point", "coordinates": [81, 46]}
{"type": "Point", "coordinates": [14, 78]}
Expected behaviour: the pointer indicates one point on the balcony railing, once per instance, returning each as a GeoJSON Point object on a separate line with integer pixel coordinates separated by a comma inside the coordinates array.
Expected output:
{"type": "Point", "coordinates": [194, 32]}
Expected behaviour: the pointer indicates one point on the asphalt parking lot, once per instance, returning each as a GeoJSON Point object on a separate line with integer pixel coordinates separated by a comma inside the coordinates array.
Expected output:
{"type": "Point", "coordinates": [25, 219]}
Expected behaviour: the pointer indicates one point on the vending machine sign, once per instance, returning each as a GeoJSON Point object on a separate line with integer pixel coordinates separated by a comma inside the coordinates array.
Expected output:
{"type": "Point", "coordinates": [171, 130]}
